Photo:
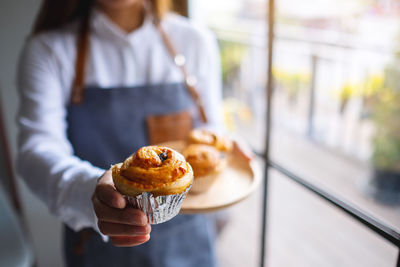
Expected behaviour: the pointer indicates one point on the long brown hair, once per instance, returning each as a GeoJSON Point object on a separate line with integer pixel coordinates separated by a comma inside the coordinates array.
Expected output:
{"type": "Point", "coordinates": [54, 14]}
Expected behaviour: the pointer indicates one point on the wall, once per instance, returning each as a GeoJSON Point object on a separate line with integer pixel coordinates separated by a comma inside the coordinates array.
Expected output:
{"type": "Point", "coordinates": [15, 19]}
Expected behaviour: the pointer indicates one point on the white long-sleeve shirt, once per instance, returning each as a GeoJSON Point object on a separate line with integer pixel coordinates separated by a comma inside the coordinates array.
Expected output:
{"type": "Point", "coordinates": [46, 159]}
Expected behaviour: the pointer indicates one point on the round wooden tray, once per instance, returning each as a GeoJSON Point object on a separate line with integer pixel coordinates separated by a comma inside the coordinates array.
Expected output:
{"type": "Point", "coordinates": [237, 181]}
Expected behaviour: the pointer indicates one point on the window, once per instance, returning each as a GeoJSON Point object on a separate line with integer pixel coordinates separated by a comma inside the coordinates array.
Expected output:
{"type": "Point", "coordinates": [336, 113]}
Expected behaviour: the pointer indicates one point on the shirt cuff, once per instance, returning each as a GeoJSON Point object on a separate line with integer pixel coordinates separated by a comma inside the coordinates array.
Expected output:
{"type": "Point", "coordinates": [93, 217]}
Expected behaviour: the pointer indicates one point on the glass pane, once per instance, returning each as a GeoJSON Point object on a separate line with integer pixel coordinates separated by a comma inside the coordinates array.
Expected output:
{"type": "Point", "coordinates": [240, 26]}
{"type": "Point", "coordinates": [240, 29]}
{"type": "Point", "coordinates": [305, 231]}
{"type": "Point", "coordinates": [336, 102]}
{"type": "Point", "coordinates": [336, 122]}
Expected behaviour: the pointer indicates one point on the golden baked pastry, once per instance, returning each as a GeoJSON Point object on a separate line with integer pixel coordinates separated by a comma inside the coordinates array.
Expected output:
{"type": "Point", "coordinates": [207, 163]}
{"type": "Point", "coordinates": [159, 170]}
{"type": "Point", "coordinates": [204, 159]}
{"type": "Point", "coordinates": [203, 136]}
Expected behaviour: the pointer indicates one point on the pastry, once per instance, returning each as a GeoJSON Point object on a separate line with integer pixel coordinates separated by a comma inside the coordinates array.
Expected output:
{"type": "Point", "coordinates": [203, 136]}
{"type": "Point", "coordinates": [207, 162]}
{"type": "Point", "coordinates": [204, 159]}
{"type": "Point", "coordinates": [154, 179]}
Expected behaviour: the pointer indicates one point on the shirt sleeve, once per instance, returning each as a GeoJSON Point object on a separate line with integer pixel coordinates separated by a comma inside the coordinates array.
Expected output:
{"type": "Point", "coordinates": [45, 157]}
{"type": "Point", "coordinates": [210, 80]}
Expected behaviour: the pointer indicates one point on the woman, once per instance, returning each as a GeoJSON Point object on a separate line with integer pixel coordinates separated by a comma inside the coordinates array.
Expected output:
{"type": "Point", "coordinates": [92, 77]}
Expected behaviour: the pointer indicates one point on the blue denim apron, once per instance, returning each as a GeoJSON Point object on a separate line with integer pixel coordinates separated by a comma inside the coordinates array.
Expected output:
{"type": "Point", "coordinates": [106, 128]}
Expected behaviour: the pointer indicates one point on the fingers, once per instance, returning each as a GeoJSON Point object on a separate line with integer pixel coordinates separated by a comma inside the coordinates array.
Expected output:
{"type": "Point", "coordinates": [106, 192]}
{"type": "Point", "coordinates": [128, 216]}
{"type": "Point", "coordinates": [125, 226]}
{"type": "Point", "coordinates": [243, 150]}
{"type": "Point", "coordinates": [114, 229]}
{"type": "Point", "coordinates": [125, 241]}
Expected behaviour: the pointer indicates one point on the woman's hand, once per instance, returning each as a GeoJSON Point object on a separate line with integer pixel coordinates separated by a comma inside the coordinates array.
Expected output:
{"type": "Point", "coordinates": [242, 149]}
{"type": "Point", "coordinates": [125, 226]}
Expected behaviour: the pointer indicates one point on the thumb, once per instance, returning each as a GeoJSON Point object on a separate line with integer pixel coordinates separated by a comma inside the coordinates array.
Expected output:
{"type": "Point", "coordinates": [106, 192]}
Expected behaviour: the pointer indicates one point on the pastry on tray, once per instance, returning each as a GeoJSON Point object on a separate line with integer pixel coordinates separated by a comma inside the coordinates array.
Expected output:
{"type": "Point", "coordinates": [207, 162]}
{"type": "Point", "coordinates": [206, 137]}
{"type": "Point", "coordinates": [156, 180]}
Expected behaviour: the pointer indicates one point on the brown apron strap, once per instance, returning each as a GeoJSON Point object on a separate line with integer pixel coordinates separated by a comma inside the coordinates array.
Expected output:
{"type": "Point", "coordinates": [190, 81]}
{"type": "Point", "coordinates": [82, 42]}
{"type": "Point", "coordinates": [84, 237]}
{"type": "Point", "coordinates": [78, 91]}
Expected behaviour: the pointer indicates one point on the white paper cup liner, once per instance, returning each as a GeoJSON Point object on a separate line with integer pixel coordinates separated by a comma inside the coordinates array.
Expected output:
{"type": "Point", "coordinates": [158, 209]}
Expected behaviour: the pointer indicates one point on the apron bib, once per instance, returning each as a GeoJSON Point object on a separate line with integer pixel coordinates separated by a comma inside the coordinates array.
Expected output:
{"type": "Point", "coordinates": [105, 129]}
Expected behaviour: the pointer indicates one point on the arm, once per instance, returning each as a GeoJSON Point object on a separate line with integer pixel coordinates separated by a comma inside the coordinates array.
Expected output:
{"type": "Point", "coordinates": [210, 81]}
{"type": "Point", "coordinates": [210, 87]}
{"type": "Point", "coordinates": [45, 157]}
{"type": "Point", "coordinates": [46, 162]}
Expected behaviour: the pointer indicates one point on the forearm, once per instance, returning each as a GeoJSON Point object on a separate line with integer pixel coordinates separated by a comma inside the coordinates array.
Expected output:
{"type": "Point", "coordinates": [64, 183]}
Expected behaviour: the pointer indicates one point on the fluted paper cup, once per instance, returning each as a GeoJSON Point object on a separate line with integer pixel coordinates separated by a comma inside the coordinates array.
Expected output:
{"type": "Point", "coordinates": [158, 209]}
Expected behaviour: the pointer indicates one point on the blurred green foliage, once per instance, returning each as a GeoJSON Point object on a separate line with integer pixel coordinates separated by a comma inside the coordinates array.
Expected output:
{"type": "Point", "coordinates": [292, 82]}
{"type": "Point", "coordinates": [384, 105]}
{"type": "Point", "coordinates": [232, 55]}
{"type": "Point", "coordinates": [381, 98]}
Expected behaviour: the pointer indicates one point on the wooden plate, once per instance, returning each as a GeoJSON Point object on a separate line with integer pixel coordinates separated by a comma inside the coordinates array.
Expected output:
{"type": "Point", "coordinates": [238, 180]}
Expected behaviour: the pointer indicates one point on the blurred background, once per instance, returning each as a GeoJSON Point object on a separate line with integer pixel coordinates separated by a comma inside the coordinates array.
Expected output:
{"type": "Point", "coordinates": [336, 122]}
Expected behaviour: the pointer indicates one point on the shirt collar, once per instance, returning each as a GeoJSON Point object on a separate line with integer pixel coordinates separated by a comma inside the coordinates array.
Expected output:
{"type": "Point", "coordinates": [103, 25]}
